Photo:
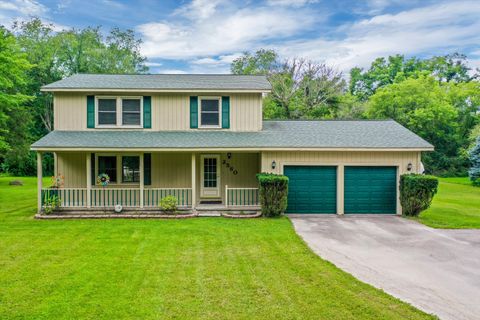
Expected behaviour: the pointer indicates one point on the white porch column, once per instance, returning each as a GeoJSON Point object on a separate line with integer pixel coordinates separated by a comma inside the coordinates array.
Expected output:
{"type": "Point", "coordinates": [194, 182]}
{"type": "Point", "coordinates": [340, 188]}
{"type": "Point", "coordinates": [55, 164]}
{"type": "Point", "coordinates": [142, 180]}
{"type": "Point", "coordinates": [89, 178]}
{"type": "Point", "coordinates": [39, 181]}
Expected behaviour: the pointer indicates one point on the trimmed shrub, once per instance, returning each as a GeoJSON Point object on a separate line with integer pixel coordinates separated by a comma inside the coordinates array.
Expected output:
{"type": "Point", "coordinates": [273, 193]}
{"type": "Point", "coordinates": [416, 193]}
{"type": "Point", "coordinates": [169, 204]}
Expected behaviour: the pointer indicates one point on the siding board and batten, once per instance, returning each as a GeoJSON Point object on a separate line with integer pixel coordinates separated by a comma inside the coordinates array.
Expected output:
{"type": "Point", "coordinates": [169, 112]}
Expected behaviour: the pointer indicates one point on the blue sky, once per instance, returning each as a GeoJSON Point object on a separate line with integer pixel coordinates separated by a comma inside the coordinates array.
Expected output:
{"type": "Point", "coordinates": [204, 36]}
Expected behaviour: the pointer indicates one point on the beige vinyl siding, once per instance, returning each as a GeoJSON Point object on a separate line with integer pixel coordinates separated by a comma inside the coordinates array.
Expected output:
{"type": "Point", "coordinates": [73, 167]}
{"type": "Point", "coordinates": [170, 112]}
{"type": "Point", "coordinates": [171, 170]}
{"type": "Point", "coordinates": [246, 112]}
{"type": "Point", "coordinates": [70, 111]}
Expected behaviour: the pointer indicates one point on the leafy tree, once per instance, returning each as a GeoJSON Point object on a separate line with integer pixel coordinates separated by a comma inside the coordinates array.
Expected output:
{"type": "Point", "coordinates": [53, 56]}
{"type": "Point", "coordinates": [13, 78]}
{"type": "Point", "coordinates": [423, 106]}
{"type": "Point", "coordinates": [382, 72]}
{"type": "Point", "coordinates": [350, 107]}
{"type": "Point", "coordinates": [474, 156]}
{"type": "Point", "coordinates": [261, 62]}
{"type": "Point", "coordinates": [300, 88]}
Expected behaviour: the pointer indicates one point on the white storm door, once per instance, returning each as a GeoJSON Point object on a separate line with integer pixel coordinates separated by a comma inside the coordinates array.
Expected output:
{"type": "Point", "coordinates": [210, 171]}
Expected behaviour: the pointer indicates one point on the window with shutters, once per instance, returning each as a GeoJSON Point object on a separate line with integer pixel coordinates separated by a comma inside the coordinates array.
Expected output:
{"type": "Point", "coordinates": [210, 112]}
{"type": "Point", "coordinates": [108, 165]}
{"type": "Point", "coordinates": [107, 111]}
{"type": "Point", "coordinates": [121, 168]}
{"type": "Point", "coordinates": [130, 169]}
{"type": "Point", "coordinates": [119, 112]}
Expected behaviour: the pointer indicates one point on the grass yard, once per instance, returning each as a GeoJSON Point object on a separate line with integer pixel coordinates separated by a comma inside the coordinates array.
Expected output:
{"type": "Point", "coordinates": [208, 268]}
{"type": "Point", "coordinates": [456, 205]}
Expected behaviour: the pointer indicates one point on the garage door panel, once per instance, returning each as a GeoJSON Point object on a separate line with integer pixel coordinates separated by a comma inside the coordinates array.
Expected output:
{"type": "Point", "coordinates": [370, 190]}
{"type": "Point", "coordinates": [312, 189]}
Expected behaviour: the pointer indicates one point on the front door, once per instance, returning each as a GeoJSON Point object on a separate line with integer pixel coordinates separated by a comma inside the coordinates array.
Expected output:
{"type": "Point", "coordinates": [210, 187]}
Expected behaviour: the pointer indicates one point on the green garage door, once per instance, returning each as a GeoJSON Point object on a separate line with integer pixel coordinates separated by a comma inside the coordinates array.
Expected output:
{"type": "Point", "coordinates": [311, 189]}
{"type": "Point", "coordinates": [371, 190]}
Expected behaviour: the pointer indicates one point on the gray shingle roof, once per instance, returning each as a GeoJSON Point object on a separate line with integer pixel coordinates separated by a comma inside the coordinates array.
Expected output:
{"type": "Point", "coordinates": [275, 134]}
{"type": "Point", "coordinates": [162, 82]}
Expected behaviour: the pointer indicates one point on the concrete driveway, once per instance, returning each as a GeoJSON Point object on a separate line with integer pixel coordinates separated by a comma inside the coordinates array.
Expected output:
{"type": "Point", "coordinates": [437, 271]}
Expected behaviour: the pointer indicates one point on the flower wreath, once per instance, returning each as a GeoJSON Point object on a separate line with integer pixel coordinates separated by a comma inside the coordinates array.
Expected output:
{"type": "Point", "coordinates": [103, 179]}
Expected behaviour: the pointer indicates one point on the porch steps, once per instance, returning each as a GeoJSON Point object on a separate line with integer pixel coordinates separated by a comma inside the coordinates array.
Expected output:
{"type": "Point", "coordinates": [209, 214]}
{"type": "Point", "coordinates": [215, 210]}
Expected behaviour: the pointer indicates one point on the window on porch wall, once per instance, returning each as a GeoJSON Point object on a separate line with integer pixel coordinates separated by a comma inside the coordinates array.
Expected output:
{"type": "Point", "coordinates": [108, 165]}
{"type": "Point", "coordinates": [130, 169]}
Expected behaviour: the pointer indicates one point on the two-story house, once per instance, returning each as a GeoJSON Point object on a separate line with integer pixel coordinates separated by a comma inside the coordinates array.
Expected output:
{"type": "Point", "coordinates": [202, 138]}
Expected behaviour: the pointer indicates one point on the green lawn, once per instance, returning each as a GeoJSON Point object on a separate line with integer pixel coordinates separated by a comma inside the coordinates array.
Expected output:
{"type": "Point", "coordinates": [456, 205]}
{"type": "Point", "coordinates": [206, 268]}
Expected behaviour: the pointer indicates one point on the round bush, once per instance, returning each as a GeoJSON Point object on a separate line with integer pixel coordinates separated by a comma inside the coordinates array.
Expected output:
{"type": "Point", "coordinates": [416, 193]}
{"type": "Point", "coordinates": [273, 193]}
{"type": "Point", "coordinates": [169, 204]}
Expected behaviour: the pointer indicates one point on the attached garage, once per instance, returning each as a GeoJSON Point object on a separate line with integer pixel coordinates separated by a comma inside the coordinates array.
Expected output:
{"type": "Point", "coordinates": [312, 189]}
{"type": "Point", "coordinates": [370, 190]}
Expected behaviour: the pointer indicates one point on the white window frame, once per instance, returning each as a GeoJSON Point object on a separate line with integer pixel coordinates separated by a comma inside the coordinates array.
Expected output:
{"type": "Point", "coordinates": [119, 168]}
{"type": "Point", "coordinates": [119, 112]}
{"type": "Point", "coordinates": [200, 125]}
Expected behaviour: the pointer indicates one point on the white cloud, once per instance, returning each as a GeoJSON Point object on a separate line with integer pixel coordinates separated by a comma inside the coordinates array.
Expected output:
{"type": "Point", "coordinates": [24, 7]}
{"type": "Point", "coordinates": [20, 10]}
{"type": "Point", "coordinates": [231, 30]}
{"type": "Point", "coordinates": [172, 71]}
{"type": "Point", "coordinates": [290, 3]}
{"type": "Point", "coordinates": [198, 9]}
{"type": "Point", "coordinates": [438, 29]}
{"type": "Point", "coordinates": [153, 64]}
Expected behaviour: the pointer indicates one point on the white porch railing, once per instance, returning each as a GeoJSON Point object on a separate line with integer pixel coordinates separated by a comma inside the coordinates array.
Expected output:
{"type": "Point", "coordinates": [152, 196]}
{"type": "Point", "coordinates": [69, 197]}
{"type": "Point", "coordinates": [109, 197]}
{"type": "Point", "coordinates": [241, 197]}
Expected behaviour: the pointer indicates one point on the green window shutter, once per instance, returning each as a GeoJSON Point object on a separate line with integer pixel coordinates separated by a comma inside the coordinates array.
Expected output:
{"type": "Point", "coordinates": [90, 111]}
{"type": "Point", "coordinates": [92, 169]}
{"type": "Point", "coordinates": [147, 169]}
{"type": "Point", "coordinates": [147, 112]}
{"type": "Point", "coordinates": [226, 112]}
{"type": "Point", "coordinates": [193, 112]}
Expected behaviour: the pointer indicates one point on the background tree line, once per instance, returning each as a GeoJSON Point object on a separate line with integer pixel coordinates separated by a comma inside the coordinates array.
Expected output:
{"type": "Point", "coordinates": [32, 54]}
{"type": "Point", "coordinates": [437, 98]}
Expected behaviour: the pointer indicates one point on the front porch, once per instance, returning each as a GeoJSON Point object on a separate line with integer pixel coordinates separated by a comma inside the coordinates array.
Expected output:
{"type": "Point", "coordinates": [199, 181]}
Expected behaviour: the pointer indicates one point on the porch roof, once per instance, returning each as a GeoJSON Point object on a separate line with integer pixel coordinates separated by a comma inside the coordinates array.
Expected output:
{"type": "Point", "coordinates": [276, 135]}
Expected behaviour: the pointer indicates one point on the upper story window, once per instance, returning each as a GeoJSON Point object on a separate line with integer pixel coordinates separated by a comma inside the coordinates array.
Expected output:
{"type": "Point", "coordinates": [210, 112]}
{"type": "Point", "coordinates": [115, 112]}
{"type": "Point", "coordinates": [107, 111]}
